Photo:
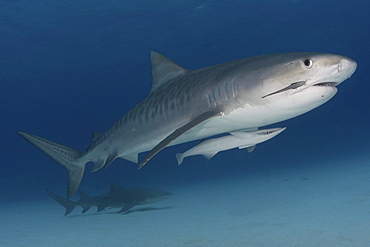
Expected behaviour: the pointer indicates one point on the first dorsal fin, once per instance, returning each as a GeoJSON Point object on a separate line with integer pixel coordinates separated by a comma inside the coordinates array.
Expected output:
{"type": "Point", "coordinates": [163, 70]}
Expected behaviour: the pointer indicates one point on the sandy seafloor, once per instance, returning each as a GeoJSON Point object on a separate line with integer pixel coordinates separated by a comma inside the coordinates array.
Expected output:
{"type": "Point", "coordinates": [329, 206]}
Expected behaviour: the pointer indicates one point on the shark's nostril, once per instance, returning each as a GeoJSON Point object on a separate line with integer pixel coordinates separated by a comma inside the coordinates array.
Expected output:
{"type": "Point", "coordinates": [347, 65]}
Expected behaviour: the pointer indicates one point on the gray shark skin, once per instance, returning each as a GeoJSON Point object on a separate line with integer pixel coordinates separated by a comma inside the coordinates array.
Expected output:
{"type": "Point", "coordinates": [186, 105]}
{"type": "Point", "coordinates": [117, 197]}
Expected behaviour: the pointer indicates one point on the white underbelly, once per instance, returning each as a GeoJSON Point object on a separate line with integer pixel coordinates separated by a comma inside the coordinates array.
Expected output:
{"type": "Point", "coordinates": [241, 119]}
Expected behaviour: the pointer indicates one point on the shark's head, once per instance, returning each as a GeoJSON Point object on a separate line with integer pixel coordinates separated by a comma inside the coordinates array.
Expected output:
{"type": "Point", "coordinates": [296, 72]}
{"type": "Point", "coordinates": [291, 84]}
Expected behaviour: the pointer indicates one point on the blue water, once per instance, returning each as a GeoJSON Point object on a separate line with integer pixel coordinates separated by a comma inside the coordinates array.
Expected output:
{"type": "Point", "coordinates": [68, 68]}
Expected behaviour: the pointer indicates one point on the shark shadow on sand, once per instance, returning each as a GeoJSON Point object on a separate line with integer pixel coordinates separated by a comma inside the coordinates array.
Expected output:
{"type": "Point", "coordinates": [117, 197]}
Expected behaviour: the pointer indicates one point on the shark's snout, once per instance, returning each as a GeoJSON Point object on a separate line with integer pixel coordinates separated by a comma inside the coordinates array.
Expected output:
{"type": "Point", "coordinates": [342, 70]}
{"type": "Point", "coordinates": [347, 66]}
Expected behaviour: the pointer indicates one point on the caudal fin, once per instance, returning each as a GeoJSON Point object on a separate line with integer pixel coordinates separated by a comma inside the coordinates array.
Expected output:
{"type": "Point", "coordinates": [64, 156]}
{"type": "Point", "coordinates": [69, 205]}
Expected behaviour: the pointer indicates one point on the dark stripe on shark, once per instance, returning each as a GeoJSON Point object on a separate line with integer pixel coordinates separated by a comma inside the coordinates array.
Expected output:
{"type": "Point", "coordinates": [291, 86]}
{"type": "Point", "coordinates": [203, 117]}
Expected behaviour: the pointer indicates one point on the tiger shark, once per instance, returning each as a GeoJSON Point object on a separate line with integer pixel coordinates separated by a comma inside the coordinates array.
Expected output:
{"type": "Point", "coordinates": [117, 197]}
{"type": "Point", "coordinates": [185, 105]}
{"type": "Point", "coordinates": [249, 139]}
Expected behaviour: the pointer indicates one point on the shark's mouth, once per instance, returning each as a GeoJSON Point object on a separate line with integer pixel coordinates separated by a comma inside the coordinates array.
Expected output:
{"type": "Point", "coordinates": [326, 84]}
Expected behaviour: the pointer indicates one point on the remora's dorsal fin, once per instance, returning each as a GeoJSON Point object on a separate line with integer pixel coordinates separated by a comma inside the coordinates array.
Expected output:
{"type": "Point", "coordinates": [64, 156]}
{"type": "Point", "coordinates": [209, 155]}
{"type": "Point", "coordinates": [201, 118]}
{"type": "Point", "coordinates": [163, 70]}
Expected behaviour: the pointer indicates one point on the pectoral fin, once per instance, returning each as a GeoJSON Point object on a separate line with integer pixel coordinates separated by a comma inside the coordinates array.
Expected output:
{"type": "Point", "coordinates": [201, 118]}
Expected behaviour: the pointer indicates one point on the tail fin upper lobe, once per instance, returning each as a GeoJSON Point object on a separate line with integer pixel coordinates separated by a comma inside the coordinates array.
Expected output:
{"type": "Point", "coordinates": [64, 156]}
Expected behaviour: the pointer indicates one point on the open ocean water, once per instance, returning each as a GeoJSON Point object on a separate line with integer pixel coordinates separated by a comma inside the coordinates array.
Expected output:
{"type": "Point", "coordinates": [68, 68]}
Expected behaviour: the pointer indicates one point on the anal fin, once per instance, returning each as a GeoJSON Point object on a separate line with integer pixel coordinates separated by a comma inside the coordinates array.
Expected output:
{"type": "Point", "coordinates": [209, 155]}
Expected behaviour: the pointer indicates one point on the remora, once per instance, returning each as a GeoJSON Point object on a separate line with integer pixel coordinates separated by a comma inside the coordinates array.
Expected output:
{"type": "Point", "coordinates": [247, 139]}
{"type": "Point", "coordinates": [185, 105]}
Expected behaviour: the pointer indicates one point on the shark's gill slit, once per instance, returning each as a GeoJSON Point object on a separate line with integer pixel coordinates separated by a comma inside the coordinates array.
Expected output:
{"type": "Point", "coordinates": [294, 85]}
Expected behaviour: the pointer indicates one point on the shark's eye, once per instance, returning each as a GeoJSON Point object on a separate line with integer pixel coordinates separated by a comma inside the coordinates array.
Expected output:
{"type": "Point", "coordinates": [308, 63]}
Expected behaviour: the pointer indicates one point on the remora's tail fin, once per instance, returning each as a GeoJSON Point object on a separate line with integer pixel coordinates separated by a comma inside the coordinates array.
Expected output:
{"type": "Point", "coordinates": [64, 156]}
{"type": "Point", "coordinates": [69, 205]}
